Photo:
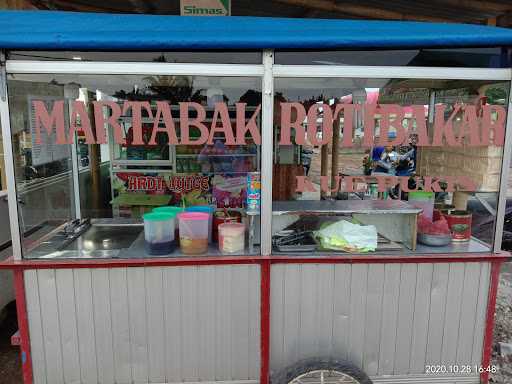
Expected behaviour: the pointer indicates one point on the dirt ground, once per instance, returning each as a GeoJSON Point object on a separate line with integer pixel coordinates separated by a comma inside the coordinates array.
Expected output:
{"type": "Point", "coordinates": [503, 327]}
{"type": "Point", "coordinates": [10, 363]}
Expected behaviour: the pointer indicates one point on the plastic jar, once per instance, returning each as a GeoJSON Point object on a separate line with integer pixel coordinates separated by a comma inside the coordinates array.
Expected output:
{"type": "Point", "coordinates": [220, 217]}
{"type": "Point", "coordinates": [176, 211]}
{"type": "Point", "coordinates": [193, 232]}
{"type": "Point", "coordinates": [159, 232]}
{"type": "Point", "coordinates": [423, 200]}
{"type": "Point", "coordinates": [208, 209]}
{"type": "Point", "coordinates": [231, 237]}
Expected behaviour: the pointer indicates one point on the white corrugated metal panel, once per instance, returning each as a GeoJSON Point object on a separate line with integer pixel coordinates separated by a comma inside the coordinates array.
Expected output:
{"type": "Point", "coordinates": [35, 327]}
{"type": "Point", "coordinates": [103, 325]}
{"type": "Point", "coordinates": [85, 324]}
{"type": "Point", "coordinates": [426, 379]}
{"type": "Point", "coordinates": [421, 317]}
{"type": "Point", "coordinates": [50, 317]}
{"type": "Point", "coordinates": [388, 327]}
{"type": "Point", "coordinates": [140, 325]}
{"type": "Point", "coordinates": [68, 326]}
{"type": "Point", "coordinates": [388, 319]}
{"type": "Point", "coordinates": [120, 325]}
{"type": "Point", "coordinates": [373, 316]}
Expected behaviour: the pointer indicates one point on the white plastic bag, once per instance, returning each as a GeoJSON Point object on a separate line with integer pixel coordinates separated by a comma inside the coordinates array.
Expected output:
{"type": "Point", "coordinates": [346, 236]}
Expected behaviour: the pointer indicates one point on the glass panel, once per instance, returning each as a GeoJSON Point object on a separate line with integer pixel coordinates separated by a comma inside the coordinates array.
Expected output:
{"type": "Point", "coordinates": [3, 181]}
{"type": "Point", "coordinates": [213, 57]}
{"type": "Point", "coordinates": [133, 154]}
{"type": "Point", "coordinates": [453, 57]}
{"type": "Point", "coordinates": [386, 165]}
{"type": "Point", "coordinates": [5, 230]}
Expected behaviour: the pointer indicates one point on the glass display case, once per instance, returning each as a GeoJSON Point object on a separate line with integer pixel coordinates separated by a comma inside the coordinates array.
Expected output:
{"type": "Point", "coordinates": [125, 153]}
{"type": "Point", "coordinates": [415, 162]}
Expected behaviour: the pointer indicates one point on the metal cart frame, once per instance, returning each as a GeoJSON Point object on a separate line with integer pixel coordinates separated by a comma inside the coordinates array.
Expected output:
{"type": "Point", "coordinates": [39, 278]}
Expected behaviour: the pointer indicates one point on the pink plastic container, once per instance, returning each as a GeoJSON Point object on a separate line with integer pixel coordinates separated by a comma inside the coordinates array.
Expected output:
{"type": "Point", "coordinates": [193, 232]}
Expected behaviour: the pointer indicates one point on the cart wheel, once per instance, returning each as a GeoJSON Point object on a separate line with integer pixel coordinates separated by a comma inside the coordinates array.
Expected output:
{"type": "Point", "coordinates": [321, 371]}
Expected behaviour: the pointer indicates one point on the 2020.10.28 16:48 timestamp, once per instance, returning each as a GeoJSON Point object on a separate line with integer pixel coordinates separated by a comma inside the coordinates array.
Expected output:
{"type": "Point", "coordinates": [440, 369]}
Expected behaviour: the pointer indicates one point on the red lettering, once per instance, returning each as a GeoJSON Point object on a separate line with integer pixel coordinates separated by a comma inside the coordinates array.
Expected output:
{"type": "Point", "coordinates": [132, 183]}
{"type": "Point", "coordinates": [444, 128]}
{"type": "Point", "coordinates": [287, 124]}
{"type": "Point", "coordinates": [136, 107]}
{"type": "Point", "coordinates": [324, 184]}
{"type": "Point", "coordinates": [242, 127]}
{"type": "Point", "coordinates": [327, 122]}
{"type": "Point", "coordinates": [369, 123]}
{"type": "Point", "coordinates": [465, 183]}
{"type": "Point", "coordinates": [497, 126]}
{"type": "Point", "coordinates": [470, 125]}
{"type": "Point", "coordinates": [198, 122]}
{"type": "Point", "coordinates": [431, 184]}
{"type": "Point", "coordinates": [112, 120]}
{"type": "Point", "coordinates": [404, 184]}
{"type": "Point", "coordinates": [352, 183]}
{"type": "Point", "coordinates": [348, 121]}
{"type": "Point", "coordinates": [418, 112]}
{"type": "Point", "coordinates": [163, 111]}
{"type": "Point", "coordinates": [391, 114]}
{"type": "Point", "coordinates": [221, 110]}
{"type": "Point", "coordinates": [48, 121]}
{"type": "Point", "coordinates": [85, 124]}
{"type": "Point", "coordinates": [304, 184]}
{"type": "Point", "coordinates": [386, 182]}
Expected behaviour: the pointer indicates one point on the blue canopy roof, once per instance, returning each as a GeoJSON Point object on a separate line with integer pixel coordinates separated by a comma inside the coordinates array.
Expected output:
{"type": "Point", "coordinates": [96, 31]}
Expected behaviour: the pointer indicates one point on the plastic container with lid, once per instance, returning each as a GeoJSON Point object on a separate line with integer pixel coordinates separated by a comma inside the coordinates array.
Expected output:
{"type": "Point", "coordinates": [208, 209]}
{"type": "Point", "coordinates": [423, 200]}
{"type": "Point", "coordinates": [168, 209]}
{"type": "Point", "coordinates": [159, 232]}
{"type": "Point", "coordinates": [221, 217]}
{"type": "Point", "coordinates": [176, 211]}
{"type": "Point", "coordinates": [231, 237]}
{"type": "Point", "coordinates": [193, 232]}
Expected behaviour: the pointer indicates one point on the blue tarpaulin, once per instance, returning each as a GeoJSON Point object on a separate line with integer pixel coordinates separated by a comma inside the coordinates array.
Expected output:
{"type": "Point", "coordinates": [97, 31]}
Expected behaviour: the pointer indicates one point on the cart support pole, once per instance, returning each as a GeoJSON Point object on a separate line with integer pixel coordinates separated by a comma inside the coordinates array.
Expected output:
{"type": "Point", "coordinates": [21, 309]}
{"type": "Point", "coordinates": [265, 322]}
{"type": "Point", "coordinates": [489, 322]}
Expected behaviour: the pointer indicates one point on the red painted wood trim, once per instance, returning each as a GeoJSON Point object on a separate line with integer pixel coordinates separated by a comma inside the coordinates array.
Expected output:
{"type": "Point", "coordinates": [265, 323]}
{"type": "Point", "coordinates": [223, 260]}
{"type": "Point", "coordinates": [392, 259]}
{"type": "Point", "coordinates": [21, 308]}
{"type": "Point", "coordinates": [489, 322]}
{"type": "Point", "coordinates": [123, 263]}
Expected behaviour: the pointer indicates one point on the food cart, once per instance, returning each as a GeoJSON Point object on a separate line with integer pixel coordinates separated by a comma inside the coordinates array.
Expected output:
{"type": "Point", "coordinates": [370, 242]}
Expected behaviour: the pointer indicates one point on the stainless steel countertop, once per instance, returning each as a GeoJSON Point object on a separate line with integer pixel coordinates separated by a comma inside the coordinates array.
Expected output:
{"type": "Point", "coordinates": [315, 207]}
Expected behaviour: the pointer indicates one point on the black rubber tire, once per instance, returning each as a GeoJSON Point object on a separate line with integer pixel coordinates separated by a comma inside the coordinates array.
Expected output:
{"type": "Point", "coordinates": [314, 364]}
